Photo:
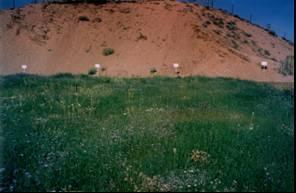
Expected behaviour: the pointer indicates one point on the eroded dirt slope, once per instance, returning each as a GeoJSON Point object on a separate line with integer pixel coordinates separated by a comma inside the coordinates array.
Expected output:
{"type": "Point", "coordinates": [149, 35]}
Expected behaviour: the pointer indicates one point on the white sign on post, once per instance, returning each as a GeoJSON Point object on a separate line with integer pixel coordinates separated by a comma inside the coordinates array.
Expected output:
{"type": "Point", "coordinates": [97, 66]}
{"type": "Point", "coordinates": [177, 68]}
{"type": "Point", "coordinates": [176, 65]}
{"type": "Point", "coordinates": [264, 64]}
{"type": "Point", "coordinates": [24, 67]}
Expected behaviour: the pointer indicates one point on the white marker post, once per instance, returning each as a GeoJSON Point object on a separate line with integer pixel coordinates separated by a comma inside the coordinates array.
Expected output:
{"type": "Point", "coordinates": [24, 67]}
{"type": "Point", "coordinates": [177, 68]}
{"type": "Point", "coordinates": [264, 65]}
{"type": "Point", "coordinates": [98, 67]}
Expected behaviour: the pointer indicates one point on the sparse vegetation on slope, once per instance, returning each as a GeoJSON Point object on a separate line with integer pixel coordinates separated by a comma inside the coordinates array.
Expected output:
{"type": "Point", "coordinates": [287, 66]}
{"type": "Point", "coordinates": [231, 26]}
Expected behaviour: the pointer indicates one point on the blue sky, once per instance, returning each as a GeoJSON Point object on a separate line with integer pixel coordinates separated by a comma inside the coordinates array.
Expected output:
{"type": "Point", "coordinates": [278, 13]}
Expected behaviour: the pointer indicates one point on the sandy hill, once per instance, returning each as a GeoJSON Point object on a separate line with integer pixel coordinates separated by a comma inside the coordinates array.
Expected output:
{"type": "Point", "coordinates": [145, 35]}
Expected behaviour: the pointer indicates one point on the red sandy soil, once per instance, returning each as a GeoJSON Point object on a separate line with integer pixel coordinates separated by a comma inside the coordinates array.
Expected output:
{"type": "Point", "coordinates": [51, 39]}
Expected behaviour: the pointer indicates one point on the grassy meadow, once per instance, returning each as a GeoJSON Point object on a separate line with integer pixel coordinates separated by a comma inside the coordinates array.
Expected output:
{"type": "Point", "coordinates": [78, 133]}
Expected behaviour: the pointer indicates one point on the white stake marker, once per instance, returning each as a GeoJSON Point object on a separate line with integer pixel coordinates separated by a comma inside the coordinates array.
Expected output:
{"type": "Point", "coordinates": [264, 64]}
{"type": "Point", "coordinates": [98, 66]}
{"type": "Point", "coordinates": [24, 67]}
{"type": "Point", "coordinates": [176, 67]}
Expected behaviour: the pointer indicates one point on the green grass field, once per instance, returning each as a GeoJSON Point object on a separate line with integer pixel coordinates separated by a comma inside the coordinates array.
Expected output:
{"type": "Point", "coordinates": [77, 133]}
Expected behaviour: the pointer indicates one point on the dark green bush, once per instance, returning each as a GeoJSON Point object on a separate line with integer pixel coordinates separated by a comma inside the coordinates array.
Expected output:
{"type": "Point", "coordinates": [218, 22]}
{"type": "Point", "coordinates": [231, 26]}
{"type": "Point", "coordinates": [206, 24]}
{"type": "Point", "coordinates": [272, 33]}
{"type": "Point", "coordinates": [153, 70]}
{"type": "Point", "coordinates": [108, 51]}
{"type": "Point", "coordinates": [266, 52]}
{"type": "Point", "coordinates": [92, 71]}
{"type": "Point", "coordinates": [83, 18]}
{"type": "Point", "coordinates": [247, 34]}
